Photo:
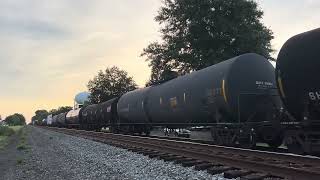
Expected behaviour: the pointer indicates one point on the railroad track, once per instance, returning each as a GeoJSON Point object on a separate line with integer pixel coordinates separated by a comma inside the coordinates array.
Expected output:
{"type": "Point", "coordinates": [261, 148]}
{"type": "Point", "coordinates": [233, 162]}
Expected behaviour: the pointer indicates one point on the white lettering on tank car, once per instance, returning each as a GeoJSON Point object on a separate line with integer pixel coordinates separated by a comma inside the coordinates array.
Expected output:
{"type": "Point", "coordinates": [314, 96]}
{"type": "Point", "coordinates": [264, 84]}
{"type": "Point", "coordinates": [109, 109]}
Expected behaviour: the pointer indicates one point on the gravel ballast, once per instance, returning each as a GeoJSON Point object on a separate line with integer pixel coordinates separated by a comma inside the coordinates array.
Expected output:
{"type": "Point", "coordinates": [53, 155]}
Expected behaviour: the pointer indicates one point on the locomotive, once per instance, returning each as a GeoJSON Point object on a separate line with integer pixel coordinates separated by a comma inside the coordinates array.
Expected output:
{"type": "Point", "coordinates": [243, 100]}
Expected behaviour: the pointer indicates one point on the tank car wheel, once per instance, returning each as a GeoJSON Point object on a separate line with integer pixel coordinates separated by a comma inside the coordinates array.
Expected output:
{"type": "Point", "coordinates": [147, 133]}
{"type": "Point", "coordinates": [294, 146]}
{"type": "Point", "coordinates": [176, 134]}
{"type": "Point", "coordinates": [275, 143]}
{"type": "Point", "coordinates": [215, 137]}
{"type": "Point", "coordinates": [249, 142]}
{"type": "Point", "coordinates": [147, 130]}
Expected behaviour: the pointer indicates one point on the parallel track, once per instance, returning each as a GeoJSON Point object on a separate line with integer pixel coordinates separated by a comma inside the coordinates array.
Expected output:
{"type": "Point", "coordinates": [233, 162]}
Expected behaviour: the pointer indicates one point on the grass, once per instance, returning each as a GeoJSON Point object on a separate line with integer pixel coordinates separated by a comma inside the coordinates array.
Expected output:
{"type": "Point", "coordinates": [16, 128]}
{"type": "Point", "coordinates": [3, 141]}
{"type": "Point", "coordinates": [22, 146]}
{"type": "Point", "coordinates": [22, 133]}
{"type": "Point", "coordinates": [6, 131]}
{"type": "Point", "coordinates": [19, 161]}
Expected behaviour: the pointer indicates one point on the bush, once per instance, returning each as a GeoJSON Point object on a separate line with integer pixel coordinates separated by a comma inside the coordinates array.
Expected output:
{"type": "Point", "coordinates": [15, 119]}
{"type": "Point", "coordinates": [6, 131]}
{"type": "Point", "coordinates": [21, 147]}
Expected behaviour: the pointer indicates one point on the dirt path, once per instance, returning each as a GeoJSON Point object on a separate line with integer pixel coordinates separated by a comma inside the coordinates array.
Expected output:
{"type": "Point", "coordinates": [10, 157]}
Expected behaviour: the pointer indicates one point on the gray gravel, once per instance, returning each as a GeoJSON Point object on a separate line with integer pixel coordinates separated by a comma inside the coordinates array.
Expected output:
{"type": "Point", "coordinates": [57, 156]}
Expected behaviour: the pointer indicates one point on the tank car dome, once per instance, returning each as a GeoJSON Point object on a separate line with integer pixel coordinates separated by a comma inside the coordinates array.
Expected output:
{"type": "Point", "coordinates": [82, 97]}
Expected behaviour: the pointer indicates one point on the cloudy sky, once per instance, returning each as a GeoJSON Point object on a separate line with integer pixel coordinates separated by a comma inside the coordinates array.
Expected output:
{"type": "Point", "coordinates": [50, 49]}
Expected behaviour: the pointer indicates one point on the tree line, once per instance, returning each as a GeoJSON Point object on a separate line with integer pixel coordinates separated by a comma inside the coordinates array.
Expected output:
{"type": "Point", "coordinates": [194, 35]}
{"type": "Point", "coordinates": [43, 114]}
{"type": "Point", "coordinates": [15, 119]}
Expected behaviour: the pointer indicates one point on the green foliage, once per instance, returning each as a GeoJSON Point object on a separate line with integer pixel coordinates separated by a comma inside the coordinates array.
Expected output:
{"type": "Point", "coordinates": [87, 103]}
{"type": "Point", "coordinates": [19, 161]}
{"type": "Point", "coordinates": [39, 116]}
{"type": "Point", "coordinates": [6, 131]}
{"type": "Point", "coordinates": [111, 83]}
{"type": "Point", "coordinates": [60, 110]}
{"type": "Point", "coordinates": [22, 134]}
{"type": "Point", "coordinates": [15, 119]}
{"type": "Point", "coordinates": [16, 128]}
{"type": "Point", "coordinates": [166, 75]}
{"type": "Point", "coordinates": [197, 34]}
{"type": "Point", "coordinates": [21, 147]}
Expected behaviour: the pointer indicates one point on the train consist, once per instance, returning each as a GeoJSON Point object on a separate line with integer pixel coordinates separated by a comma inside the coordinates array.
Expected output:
{"type": "Point", "coordinates": [243, 100]}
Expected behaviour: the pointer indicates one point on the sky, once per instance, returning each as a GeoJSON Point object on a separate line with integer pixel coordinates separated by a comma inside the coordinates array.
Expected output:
{"type": "Point", "coordinates": [49, 50]}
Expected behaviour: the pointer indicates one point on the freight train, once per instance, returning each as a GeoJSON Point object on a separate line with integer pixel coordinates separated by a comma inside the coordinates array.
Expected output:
{"type": "Point", "coordinates": [244, 100]}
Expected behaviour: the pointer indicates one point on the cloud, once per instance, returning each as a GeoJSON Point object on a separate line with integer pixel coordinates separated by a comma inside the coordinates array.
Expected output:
{"type": "Point", "coordinates": [288, 18]}
{"type": "Point", "coordinates": [50, 49]}
{"type": "Point", "coordinates": [30, 29]}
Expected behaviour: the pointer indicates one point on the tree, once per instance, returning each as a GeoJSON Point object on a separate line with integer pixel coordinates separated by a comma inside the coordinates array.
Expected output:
{"type": "Point", "coordinates": [197, 34]}
{"type": "Point", "coordinates": [111, 83]}
{"type": "Point", "coordinates": [15, 119]}
{"type": "Point", "coordinates": [60, 110]}
{"type": "Point", "coordinates": [87, 103]}
{"type": "Point", "coordinates": [165, 75]}
{"type": "Point", "coordinates": [21, 117]}
{"type": "Point", "coordinates": [39, 116]}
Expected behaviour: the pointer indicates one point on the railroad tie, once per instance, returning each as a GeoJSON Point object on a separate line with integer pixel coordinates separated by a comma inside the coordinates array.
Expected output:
{"type": "Point", "coordinates": [203, 166]}
{"type": "Point", "coordinates": [178, 158]}
{"type": "Point", "coordinates": [191, 163]}
{"type": "Point", "coordinates": [148, 152]}
{"type": "Point", "coordinates": [169, 157]}
{"type": "Point", "coordinates": [236, 173]}
{"type": "Point", "coordinates": [184, 159]}
{"type": "Point", "coordinates": [255, 176]}
{"type": "Point", "coordinates": [140, 151]}
{"type": "Point", "coordinates": [132, 149]}
{"type": "Point", "coordinates": [155, 154]}
{"type": "Point", "coordinates": [165, 156]}
{"type": "Point", "coordinates": [219, 169]}
{"type": "Point", "coordinates": [160, 155]}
